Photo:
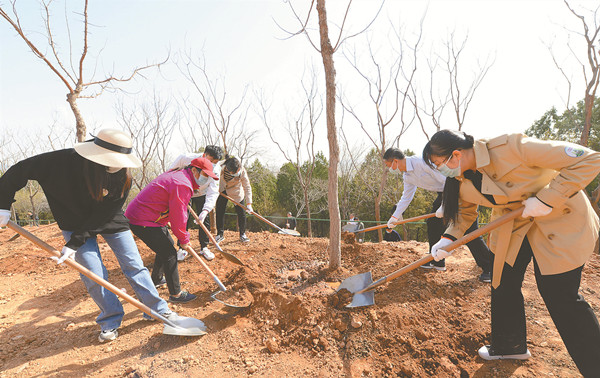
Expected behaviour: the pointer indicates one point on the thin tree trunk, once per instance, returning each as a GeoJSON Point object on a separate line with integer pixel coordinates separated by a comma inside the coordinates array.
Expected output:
{"type": "Point", "coordinates": [335, 244]}
{"type": "Point", "coordinates": [79, 122]}
{"type": "Point", "coordinates": [307, 204]}
{"type": "Point", "coordinates": [378, 204]}
{"type": "Point", "coordinates": [587, 124]}
{"type": "Point", "coordinates": [33, 208]}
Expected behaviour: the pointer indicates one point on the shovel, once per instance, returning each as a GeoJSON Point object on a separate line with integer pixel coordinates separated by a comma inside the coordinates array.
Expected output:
{"type": "Point", "coordinates": [182, 326]}
{"type": "Point", "coordinates": [281, 230]}
{"type": "Point", "coordinates": [15, 236]}
{"type": "Point", "coordinates": [414, 219]}
{"type": "Point", "coordinates": [226, 255]}
{"type": "Point", "coordinates": [362, 285]}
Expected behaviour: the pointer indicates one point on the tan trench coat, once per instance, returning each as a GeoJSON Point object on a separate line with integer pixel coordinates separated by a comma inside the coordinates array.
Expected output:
{"type": "Point", "coordinates": [516, 167]}
{"type": "Point", "coordinates": [237, 188]}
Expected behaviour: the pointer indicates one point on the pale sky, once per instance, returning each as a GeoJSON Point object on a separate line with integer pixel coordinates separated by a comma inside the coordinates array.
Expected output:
{"type": "Point", "coordinates": [242, 43]}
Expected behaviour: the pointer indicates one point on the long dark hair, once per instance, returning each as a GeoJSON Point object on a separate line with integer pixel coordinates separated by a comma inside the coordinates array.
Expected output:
{"type": "Point", "coordinates": [97, 180]}
{"type": "Point", "coordinates": [442, 144]}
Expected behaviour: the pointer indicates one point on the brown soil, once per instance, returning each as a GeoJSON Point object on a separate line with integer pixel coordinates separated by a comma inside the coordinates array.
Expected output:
{"type": "Point", "coordinates": [423, 324]}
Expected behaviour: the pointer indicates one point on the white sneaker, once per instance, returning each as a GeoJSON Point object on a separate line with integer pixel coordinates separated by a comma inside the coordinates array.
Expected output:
{"type": "Point", "coordinates": [207, 254]}
{"type": "Point", "coordinates": [108, 335]}
{"type": "Point", "coordinates": [487, 353]}
{"type": "Point", "coordinates": [181, 255]}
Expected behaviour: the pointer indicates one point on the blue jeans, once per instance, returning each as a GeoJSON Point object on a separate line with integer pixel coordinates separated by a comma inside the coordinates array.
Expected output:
{"type": "Point", "coordinates": [137, 274]}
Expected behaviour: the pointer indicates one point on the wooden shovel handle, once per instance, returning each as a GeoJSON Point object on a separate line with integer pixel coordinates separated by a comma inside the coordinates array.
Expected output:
{"type": "Point", "coordinates": [208, 270]}
{"type": "Point", "coordinates": [457, 243]}
{"type": "Point", "coordinates": [201, 224]}
{"type": "Point", "coordinates": [413, 219]}
{"type": "Point", "coordinates": [86, 272]}
{"type": "Point", "coordinates": [254, 213]}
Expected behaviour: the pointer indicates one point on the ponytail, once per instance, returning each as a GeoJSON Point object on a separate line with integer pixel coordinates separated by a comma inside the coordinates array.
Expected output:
{"type": "Point", "coordinates": [442, 144]}
{"type": "Point", "coordinates": [450, 199]}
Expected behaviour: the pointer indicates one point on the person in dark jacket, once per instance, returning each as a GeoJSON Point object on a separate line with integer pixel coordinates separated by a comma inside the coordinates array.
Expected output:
{"type": "Point", "coordinates": [290, 221]}
{"type": "Point", "coordinates": [86, 187]}
{"type": "Point", "coordinates": [391, 235]}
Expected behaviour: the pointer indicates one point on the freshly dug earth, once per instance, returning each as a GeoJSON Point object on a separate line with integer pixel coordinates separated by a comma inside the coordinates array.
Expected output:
{"type": "Point", "coordinates": [425, 323]}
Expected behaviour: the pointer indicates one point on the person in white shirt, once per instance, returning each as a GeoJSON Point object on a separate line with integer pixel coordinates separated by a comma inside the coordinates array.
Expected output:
{"type": "Point", "coordinates": [418, 174]}
{"type": "Point", "coordinates": [204, 197]}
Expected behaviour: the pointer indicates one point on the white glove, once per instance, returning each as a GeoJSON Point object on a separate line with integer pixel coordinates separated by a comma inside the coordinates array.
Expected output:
{"type": "Point", "coordinates": [202, 216]}
{"type": "Point", "coordinates": [249, 208]}
{"type": "Point", "coordinates": [66, 253]}
{"type": "Point", "coordinates": [439, 213]}
{"type": "Point", "coordinates": [535, 208]}
{"type": "Point", "coordinates": [4, 217]}
{"type": "Point", "coordinates": [438, 252]}
{"type": "Point", "coordinates": [392, 221]}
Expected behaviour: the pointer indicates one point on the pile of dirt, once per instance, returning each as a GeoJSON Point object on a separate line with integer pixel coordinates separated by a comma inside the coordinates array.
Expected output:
{"type": "Point", "coordinates": [425, 323]}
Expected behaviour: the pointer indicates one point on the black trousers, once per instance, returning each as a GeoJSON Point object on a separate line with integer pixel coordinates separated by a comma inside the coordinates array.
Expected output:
{"type": "Point", "coordinates": [572, 315]}
{"type": "Point", "coordinates": [220, 210]}
{"type": "Point", "coordinates": [480, 251]}
{"type": "Point", "coordinates": [198, 204]}
{"type": "Point", "coordinates": [159, 240]}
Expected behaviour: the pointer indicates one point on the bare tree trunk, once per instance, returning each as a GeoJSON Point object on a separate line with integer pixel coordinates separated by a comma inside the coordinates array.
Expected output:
{"type": "Point", "coordinates": [587, 124]}
{"type": "Point", "coordinates": [378, 206]}
{"type": "Point", "coordinates": [79, 122]}
{"type": "Point", "coordinates": [32, 194]}
{"type": "Point", "coordinates": [307, 204]}
{"type": "Point", "coordinates": [335, 244]}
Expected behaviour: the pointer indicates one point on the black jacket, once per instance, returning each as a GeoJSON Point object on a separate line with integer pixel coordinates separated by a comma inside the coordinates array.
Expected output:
{"type": "Point", "coordinates": [60, 174]}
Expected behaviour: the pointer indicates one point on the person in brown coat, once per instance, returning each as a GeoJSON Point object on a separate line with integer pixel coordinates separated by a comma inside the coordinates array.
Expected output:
{"type": "Point", "coordinates": [558, 230]}
{"type": "Point", "coordinates": [234, 183]}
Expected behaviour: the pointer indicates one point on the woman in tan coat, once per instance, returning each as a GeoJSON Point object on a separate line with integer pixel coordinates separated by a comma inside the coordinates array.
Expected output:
{"type": "Point", "coordinates": [234, 183]}
{"type": "Point", "coordinates": [558, 230]}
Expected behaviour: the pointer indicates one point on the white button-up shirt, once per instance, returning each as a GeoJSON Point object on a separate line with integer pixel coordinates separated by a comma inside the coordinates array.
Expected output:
{"type": "Point", "coordinates": [418, 175]}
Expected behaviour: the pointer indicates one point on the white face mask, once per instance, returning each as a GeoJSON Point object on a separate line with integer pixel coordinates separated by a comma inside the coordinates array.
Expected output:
{"type": "Point", "coordinates": [237, 173]}
{"type": "Point", "coordinates": [392, 169]}
{"type": "Point", "coordinates": [113, 169]}
{"type": "Point", "coordinates": [449, 172]}
{"type": "Point", "coordinates": [201, 180]}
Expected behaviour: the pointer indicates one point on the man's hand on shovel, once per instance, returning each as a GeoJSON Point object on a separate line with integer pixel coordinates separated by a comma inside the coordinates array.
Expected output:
{"type": "Point", "coordinates": [201, 217]}
{"type": "Point", "coordinates": [438, 252]}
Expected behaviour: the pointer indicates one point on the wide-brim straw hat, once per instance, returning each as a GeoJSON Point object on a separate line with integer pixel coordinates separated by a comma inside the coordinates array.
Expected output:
{"type": "Point", "coordinates": [111, 148]}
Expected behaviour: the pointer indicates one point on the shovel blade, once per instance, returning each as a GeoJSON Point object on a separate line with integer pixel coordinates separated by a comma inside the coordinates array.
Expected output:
{"type": "Point", "coordinates": [184, 326]}
{"type": "Point", "coordinates": [362, 299]}
{"type": "Point", "coordinates": [356, 283]}
{"type": "Point", "coordinates": [228, 304]}
{"type": "Point", "coordinates": [284, 231]}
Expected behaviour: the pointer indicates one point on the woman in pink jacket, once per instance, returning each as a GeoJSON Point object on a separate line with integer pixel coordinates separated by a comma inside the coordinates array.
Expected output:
{"type": "Point", "coordinates": [164, 200]}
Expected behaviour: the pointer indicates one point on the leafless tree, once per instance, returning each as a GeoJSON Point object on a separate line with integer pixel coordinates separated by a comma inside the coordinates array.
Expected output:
{"type": "Point", "coordinates": [590, 68]}
{"type": "Point", "coordinates": [458, 91]}
{"type": "Point", "coordinates": [151, 126]}
{"type": "Point", "coordinates": [326, 49]}
{"type": "Point", "coordinates": [300, 130]}
{"type": "Point", "coordinates": [389, 87]}
{"type": "Point", "coordinates": [217, 117]}
{"type": "Point", "coordinates": [72, 71]}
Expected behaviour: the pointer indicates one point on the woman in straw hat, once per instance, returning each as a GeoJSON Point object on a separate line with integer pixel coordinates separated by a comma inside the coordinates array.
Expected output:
{"type": "Point", "coordinates": [163, 201]}
{"type": "Point", "coordinates": [86, 187]}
